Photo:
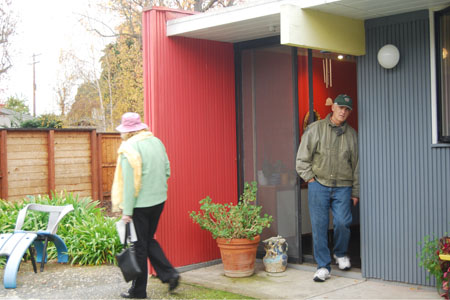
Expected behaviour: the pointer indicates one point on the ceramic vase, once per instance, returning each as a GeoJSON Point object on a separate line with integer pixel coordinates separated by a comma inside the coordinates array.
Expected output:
{"type": "Point", "coordinates": [275, 260]}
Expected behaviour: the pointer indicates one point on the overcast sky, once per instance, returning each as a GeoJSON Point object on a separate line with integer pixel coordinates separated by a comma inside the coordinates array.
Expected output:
{"type": "Point", "coordinates": [44, 28]}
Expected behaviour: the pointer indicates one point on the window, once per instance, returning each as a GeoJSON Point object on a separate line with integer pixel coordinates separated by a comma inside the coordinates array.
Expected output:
{"type": "Point", "coordinates": [442, 21]}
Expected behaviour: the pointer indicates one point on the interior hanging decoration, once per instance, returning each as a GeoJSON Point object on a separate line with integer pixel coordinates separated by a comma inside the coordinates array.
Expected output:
{"type": "Point", "coordinates": [327, 73]}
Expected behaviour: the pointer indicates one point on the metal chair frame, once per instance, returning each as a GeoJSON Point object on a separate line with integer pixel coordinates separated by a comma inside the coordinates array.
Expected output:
{"type": "Point", "coordinates": [14, 245]}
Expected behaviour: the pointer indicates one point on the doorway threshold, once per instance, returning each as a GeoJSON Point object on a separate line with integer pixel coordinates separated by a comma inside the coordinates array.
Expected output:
{"type": "Point", "coordinates": [354, 273]}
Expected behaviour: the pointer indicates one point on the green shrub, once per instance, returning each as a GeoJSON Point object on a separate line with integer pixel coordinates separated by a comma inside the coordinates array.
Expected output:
{"type": "Point", "coordinates": [43, 121]}
{"type": "Point", "coordinates": [429, 259]}
{"type": "Point", "coordinates": [90, 236]}
{"type": "Point", "coordinates": [240, 221]}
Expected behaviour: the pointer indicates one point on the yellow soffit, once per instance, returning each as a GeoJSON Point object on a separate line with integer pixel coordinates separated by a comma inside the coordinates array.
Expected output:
{"type": "Point", "coordinates": [312, 29]}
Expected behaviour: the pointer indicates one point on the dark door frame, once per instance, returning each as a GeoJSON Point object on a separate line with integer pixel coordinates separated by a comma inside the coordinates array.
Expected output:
{"type": "Point", "coordinates": [260, 43]}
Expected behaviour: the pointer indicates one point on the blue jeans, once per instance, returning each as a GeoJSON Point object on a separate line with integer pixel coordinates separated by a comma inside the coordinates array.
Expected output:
{"type": "Point", "coordinates": [320, 199]}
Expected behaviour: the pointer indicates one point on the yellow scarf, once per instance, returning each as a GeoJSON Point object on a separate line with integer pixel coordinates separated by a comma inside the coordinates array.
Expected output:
{"type": "Point", "coordinates": [134, 158]}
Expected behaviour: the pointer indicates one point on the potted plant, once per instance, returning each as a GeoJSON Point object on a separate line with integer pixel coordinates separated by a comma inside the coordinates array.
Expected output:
{"type": "Point", "coordinates": [444, 260]}
{"type": "Point", "coordinates": [435, 257]}
{"type": "Point", "coordinates": [236, 229]}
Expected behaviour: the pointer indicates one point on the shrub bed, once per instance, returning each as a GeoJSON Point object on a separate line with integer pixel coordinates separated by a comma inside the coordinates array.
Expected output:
{"type": "Point", "coordinates": [89, 234]}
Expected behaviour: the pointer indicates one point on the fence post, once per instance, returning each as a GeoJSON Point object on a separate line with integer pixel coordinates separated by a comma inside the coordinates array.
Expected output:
{"type": "Point", "coordinates": [99, 166]}
{"type": "Point", "coordinates": [94, 165]}
{"type": "Point", "coordinates": [51, 162]}
{"type": "Point", "coordinates": [4, 164]}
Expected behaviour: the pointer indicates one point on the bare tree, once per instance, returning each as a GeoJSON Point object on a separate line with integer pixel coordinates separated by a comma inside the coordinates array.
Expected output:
{"type": "Point", "coordinates": [130, 11]}
{"type": "Point", "coordinates": [109, 81]}
{"type": "Point", "coordinates": [67, 80]}
{"type": "Point", "coordinates": [120, 83]}
{"type": "Point", "coordinates": [90, 74]}
{"type": "Point", "coordinates": [7, 30]}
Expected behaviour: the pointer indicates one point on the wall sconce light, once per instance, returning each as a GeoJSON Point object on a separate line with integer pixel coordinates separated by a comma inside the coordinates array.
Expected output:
{"type": "Point", "coordinates": [388, 56]}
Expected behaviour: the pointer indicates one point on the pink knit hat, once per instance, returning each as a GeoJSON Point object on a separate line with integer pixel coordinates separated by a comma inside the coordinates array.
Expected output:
{"type": "Point", "coordinates": [131, 122]}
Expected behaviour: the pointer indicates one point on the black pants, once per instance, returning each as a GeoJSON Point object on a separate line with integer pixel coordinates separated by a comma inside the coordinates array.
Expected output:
{"type": "Point", "coordinates": [145, 221]}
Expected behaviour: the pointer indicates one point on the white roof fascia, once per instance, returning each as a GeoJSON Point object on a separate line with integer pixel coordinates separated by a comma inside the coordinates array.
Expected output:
{"type": "Point", "coordinates": [221, 17]}
{"type": "Point", "coordinates": [236, 14]}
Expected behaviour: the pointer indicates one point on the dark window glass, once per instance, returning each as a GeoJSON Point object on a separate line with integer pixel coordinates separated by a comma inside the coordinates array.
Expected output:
{"type": "Point", "coordinates": [442, 19]}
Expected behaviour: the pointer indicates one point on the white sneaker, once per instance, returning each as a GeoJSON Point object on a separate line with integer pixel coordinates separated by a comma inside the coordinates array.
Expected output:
{"type": "Point", "coordinates": [321, 275]}
{"type": "Point", "coordinates": [343, 262]}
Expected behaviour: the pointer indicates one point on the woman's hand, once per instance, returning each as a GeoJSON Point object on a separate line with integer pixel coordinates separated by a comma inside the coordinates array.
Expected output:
{"type": "Point", "coordinates": [126, 219]}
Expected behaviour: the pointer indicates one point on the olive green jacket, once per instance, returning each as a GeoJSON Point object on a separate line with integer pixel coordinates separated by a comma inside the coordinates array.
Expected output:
{"type": "Point", "coordinates": [330, 158]}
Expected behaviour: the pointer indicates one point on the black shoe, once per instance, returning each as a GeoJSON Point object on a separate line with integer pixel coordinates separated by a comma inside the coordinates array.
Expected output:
{"type": "Point", "coordinates": [173, 282]}
{"type": "Point", "coordinates": [129, 295]}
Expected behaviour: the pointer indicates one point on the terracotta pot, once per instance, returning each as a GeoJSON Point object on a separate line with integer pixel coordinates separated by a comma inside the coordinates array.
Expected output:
{"type": "Point", "coordinates": [238, 256]}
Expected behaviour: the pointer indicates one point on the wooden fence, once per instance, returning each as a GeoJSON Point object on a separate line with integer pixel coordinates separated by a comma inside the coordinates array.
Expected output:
{"type": "Point", "coordinates": [38, 161]}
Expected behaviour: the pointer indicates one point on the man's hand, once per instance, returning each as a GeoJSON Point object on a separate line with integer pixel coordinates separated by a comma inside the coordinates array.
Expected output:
{"type": "Point", "coordinates": [126, 219]}
{"type": "Point", "coordinates": [355, 201]}
{"type": "Point", "coordinates": [311, 180]}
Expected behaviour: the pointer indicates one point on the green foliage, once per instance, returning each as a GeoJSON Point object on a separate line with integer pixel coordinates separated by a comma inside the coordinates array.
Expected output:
{"type": "Point", "coordinates": [239, 221]}
{"type": "Point", "coordinates": [18, 105]}
{"type": "Point", "coordinates": [35, 123]}
{"type": "Point", "coordinates": [429, 259]}
{"type": "Point", "coordinates": [122, 78]}
{"type": "Point", "coordinates": [90, 236]}
{"type": "Point", "coordinates": [43, 121]}
{"type": "Point", "coordinates": [84, 110]}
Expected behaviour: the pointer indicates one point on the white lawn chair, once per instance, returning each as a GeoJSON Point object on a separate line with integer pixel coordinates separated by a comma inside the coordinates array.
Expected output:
{"type": "Point", "coordinates": [14, 245]}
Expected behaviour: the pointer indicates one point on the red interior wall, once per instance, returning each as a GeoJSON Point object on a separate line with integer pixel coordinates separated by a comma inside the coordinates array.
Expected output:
{"type": "Point", "coordinates": [344, 82]}
{"type": "Point", "coordinates": [189, 97]}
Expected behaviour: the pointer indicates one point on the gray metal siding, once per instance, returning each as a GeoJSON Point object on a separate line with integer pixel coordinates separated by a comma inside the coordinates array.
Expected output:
{"type": "Point", "coordinates": [404, 180]}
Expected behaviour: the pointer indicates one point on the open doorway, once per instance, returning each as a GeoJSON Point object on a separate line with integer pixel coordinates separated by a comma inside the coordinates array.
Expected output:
{"type": "Point", "coordinates": [332, 74]}
{"type": "Point", "coordinates": [273, 109]}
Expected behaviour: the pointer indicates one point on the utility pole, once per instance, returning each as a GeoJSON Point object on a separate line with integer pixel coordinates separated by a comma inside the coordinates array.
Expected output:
{"type": "Point", "coordinates": [34, 83]}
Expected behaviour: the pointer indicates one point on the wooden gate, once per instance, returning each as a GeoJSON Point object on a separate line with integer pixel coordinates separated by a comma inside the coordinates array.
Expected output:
{"type": "Point", "coordinates": [108, 144]}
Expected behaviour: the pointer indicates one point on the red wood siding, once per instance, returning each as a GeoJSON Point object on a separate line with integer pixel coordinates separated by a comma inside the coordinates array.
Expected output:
{"type": "Point", "coordinates": [190, 105]}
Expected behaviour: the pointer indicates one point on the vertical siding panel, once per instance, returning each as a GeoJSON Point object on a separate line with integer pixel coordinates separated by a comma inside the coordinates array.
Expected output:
{"type": "Point", "coordinates": [190, 106]}
{"type": "Point", "coordinates": [404, 181]}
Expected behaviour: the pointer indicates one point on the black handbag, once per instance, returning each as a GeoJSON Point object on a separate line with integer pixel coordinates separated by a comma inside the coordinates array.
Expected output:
{"type": "Point", "coordinates": [126, 259]}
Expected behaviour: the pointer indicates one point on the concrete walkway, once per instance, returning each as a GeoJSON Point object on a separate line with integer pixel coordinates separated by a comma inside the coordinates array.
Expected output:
{"type": "Point", "coordinates": [106, 282]}
{"type": "Point", "coordinates": [296, 283]}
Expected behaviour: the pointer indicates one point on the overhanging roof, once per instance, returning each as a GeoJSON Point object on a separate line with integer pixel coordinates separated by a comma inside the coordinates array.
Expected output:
{"type": "Point", "coordinates": [259, 19]}
{"type": "Point", "coordinates": [252, 20]}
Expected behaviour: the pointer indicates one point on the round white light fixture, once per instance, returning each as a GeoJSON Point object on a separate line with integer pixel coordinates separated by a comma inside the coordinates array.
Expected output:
{"type": "Point", "coordinates": [388, 56]}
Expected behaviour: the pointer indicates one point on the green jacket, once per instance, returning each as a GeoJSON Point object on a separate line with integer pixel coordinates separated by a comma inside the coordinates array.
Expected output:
{"type": "Point", "coordinates": [330, 158]}
{"type": "Point", "coordinates": [155, 172]}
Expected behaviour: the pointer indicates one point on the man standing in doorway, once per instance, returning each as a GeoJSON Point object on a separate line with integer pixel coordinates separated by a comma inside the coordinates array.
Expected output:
{"type": "Point", "coordinates": [328, 160]}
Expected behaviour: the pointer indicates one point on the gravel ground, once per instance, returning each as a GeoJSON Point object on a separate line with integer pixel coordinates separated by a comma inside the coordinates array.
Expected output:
{"type": "Point", "coordinates": [62, 281]}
